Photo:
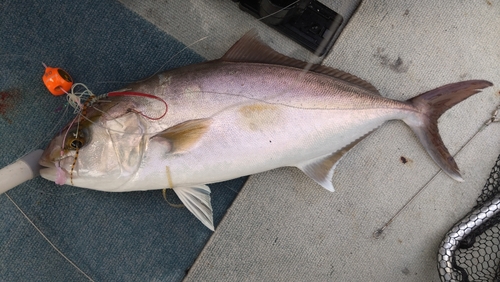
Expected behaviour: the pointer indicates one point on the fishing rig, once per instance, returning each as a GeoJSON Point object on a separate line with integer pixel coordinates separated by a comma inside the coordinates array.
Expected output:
{"type": "Point", "coordinates": [59, 83]}
{"type": "Point", "coordinates": [77, 140]}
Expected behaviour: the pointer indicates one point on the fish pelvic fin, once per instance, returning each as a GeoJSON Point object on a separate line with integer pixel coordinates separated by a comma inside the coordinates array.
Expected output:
{"type": "Point", "coordinates": [184, 135]}
{"type": "Point", "coordinates": [197, 200]}
{"type": "Point", "coordinates": [431, 105]}
{"type": "Point", "coordinates": [321, 169]}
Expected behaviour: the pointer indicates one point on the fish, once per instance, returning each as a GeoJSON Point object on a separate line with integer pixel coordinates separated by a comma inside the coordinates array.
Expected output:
{"type": "Point", "coordinates": [250, 111]}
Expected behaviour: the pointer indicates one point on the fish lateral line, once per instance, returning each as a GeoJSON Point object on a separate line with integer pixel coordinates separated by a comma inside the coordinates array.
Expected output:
{"type": "Point", "coordinates": [299, 107]}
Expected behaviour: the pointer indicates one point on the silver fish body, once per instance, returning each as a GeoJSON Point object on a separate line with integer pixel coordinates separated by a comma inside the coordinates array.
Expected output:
{"type": "Point", "coordinates": [259, 117]}
{"type": "Point", "coordinates": [251, 111]}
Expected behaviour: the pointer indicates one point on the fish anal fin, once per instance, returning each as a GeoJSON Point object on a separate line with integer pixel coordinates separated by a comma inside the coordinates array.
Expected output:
{"type": "Point", "coordinates": [251, 49]}
{"type": "Point", "coordinates": [196, 198]}
{"type": "Point", "coordinates": [184, 135]}
{"type": "Point", "coordinates": [321, 169]}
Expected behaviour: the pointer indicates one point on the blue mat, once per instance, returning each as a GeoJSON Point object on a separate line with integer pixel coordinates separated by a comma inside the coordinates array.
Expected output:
{"type": "Point", "coordinates": [132, 236]}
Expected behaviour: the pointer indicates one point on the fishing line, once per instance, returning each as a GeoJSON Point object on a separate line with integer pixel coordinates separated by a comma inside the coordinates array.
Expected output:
{"type": "Point", "coordinates": [49, 135]}
{"type": "Point", "coordinates": [144, 95]}
{"type": "Point", "coordinates": [47, 239]}
{"type": "Point", "coordinates": [247, 98]}
{"type": "Point", "coordinates": [282, 9]}
{"type": "Point", "coordinates": [286, 105]}
{"type": "Point", "coordinates": [177, 54]}
{"type": "Point", "coordinates": [74, 100]}
{"type": "Point", "coordinates": [495, 117]}
{"type": "Point", "coordinates": [161, 68]}
{"type": "Point", "coordinates": [95, 99]}
{"type": "Point", "coordinates": [60, 175]}
{"type": "Point", "coordinates": [67, 132]}
{"type": "Point", "coordinates": [177, 206]}
{"type": "Point", "coordinates": [310, 63]}
{"type": "Point", "coordinates": [38, 141]}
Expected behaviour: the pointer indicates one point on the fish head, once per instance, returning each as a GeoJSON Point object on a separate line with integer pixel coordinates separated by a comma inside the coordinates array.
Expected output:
{"type": "Point", "coordinates": [101, 150]}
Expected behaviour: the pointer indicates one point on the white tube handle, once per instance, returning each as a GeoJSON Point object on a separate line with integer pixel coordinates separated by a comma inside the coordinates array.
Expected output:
{"type": "Point", "coordinates": [20, 171]}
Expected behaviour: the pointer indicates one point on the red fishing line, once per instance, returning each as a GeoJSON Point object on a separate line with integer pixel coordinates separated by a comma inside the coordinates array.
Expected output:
{"type": "Point", "coordinates": [138, 94]}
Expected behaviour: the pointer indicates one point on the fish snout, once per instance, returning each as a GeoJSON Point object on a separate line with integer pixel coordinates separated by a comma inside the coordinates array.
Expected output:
{"type": "Point", "coordinates": [50, 160]}
{"type": "Point", "coordinates": [50, 156]}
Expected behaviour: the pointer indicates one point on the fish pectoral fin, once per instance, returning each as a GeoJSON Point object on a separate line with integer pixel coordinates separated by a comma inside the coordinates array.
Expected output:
{"type": "Point", "coordinates": [321, 169]}
{"type": "Point", "coordinates": [197, 200]}
{"type": "Point", "coordinates": [186, 134]}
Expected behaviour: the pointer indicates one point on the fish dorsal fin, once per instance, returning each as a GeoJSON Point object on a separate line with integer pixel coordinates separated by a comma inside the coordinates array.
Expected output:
{"type": "Point", "coordinates": [321, 169]}
{"type": "Point", "coordinates": [197, 200]}
{"type": "Point", "coordinates": [184, 135]}
{"type": "Point", "coordinates": [251, 49]}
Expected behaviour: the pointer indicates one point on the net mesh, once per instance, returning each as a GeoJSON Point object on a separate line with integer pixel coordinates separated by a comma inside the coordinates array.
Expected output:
{"type": "Point", "coordinates": [477, 254]}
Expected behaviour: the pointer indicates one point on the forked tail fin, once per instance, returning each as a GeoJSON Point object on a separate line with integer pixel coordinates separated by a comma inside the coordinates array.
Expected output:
{"type": "Point", "coordinates": [431, 105]}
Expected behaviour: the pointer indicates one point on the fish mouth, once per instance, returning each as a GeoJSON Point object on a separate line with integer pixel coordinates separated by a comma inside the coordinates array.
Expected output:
{"type": "Point", "coordinates": [49, 173]}
{"type": "Point", "coordinates": [50, 170]}
{"type": "Point", "coordinates": [55, 174]}
{"type": "Point", "coordinates": [46, 163]}
{"type": "Point", "coordinates": [51, 156]}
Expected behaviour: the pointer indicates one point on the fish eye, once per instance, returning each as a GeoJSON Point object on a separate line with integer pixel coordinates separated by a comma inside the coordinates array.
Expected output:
{"type": "Point", "coordinates": [76, 144]}
{"type": "Point", "coordinates": [75, 139]}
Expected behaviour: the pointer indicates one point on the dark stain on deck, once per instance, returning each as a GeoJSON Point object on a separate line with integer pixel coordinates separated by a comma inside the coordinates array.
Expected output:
{"type": "Point", "coordinates": [8, 100]}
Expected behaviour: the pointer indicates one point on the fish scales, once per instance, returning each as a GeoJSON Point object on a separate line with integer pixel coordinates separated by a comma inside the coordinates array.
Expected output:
{"type": "Point", "coordinates": [275, 106]}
